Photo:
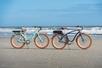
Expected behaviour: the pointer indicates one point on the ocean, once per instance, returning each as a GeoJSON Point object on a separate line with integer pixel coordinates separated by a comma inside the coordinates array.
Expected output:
{"type": "Point", "coordinates": [95, 31]}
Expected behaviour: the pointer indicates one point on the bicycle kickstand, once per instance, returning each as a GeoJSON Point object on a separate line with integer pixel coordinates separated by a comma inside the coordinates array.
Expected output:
{"type": "Point", "coordinates": [27, 46]}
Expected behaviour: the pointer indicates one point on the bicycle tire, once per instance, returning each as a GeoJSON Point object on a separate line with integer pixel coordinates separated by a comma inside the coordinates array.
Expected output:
{"type": "Point", "coordinates": [40, 44]}
{"type": "Point", "coordinates": [13, 41]}
{"type": "Point", "coordinates": [82, 37]}
{"type": "Point", "coordinates": [56, 44]}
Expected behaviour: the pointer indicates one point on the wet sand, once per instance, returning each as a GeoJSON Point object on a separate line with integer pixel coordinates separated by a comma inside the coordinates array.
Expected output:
{"type": "Point", "coordinates": [33, 57]}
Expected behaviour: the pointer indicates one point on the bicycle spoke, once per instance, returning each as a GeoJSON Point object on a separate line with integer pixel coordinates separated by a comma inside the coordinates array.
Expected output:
{"type": "Point", "coordinates": [17, 41]}
{"type": "Point", "coordinates": [84, 41]}
{"type": "Point", "coordinates": [41, 41]}
{"type": "Point", "coordinates": [57, 42]}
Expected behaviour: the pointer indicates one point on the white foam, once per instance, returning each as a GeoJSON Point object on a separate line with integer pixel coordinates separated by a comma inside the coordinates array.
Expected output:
{"type": "Point", "coordinates": [93, 30]}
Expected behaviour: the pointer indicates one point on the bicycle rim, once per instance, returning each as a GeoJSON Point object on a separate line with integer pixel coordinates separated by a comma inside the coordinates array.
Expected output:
{"type": "Point", "coordinates": [17, 41]}
{"type": "Point", "coordinates": [56, 42]}
{"type": "Point", "coordinates": [41, 41]}
{"type": "Point", "coordinates": [84, 41]}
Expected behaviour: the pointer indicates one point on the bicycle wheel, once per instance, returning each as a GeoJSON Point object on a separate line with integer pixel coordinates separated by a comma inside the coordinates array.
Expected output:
{"type": "Point", "coordinates": [83, 41]}
{"type": "Point", "coordinates": [56, 43]}
{"type": "Point", "coordinates": [41, 41]}
{"type": "Point", "coordinates": [17, 41]}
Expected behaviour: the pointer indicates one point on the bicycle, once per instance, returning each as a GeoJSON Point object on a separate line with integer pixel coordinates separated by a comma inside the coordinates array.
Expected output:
{"type": "Point", "coordinates": [20, 38]}
{"type": "Point", "coordinates": [60, 40]}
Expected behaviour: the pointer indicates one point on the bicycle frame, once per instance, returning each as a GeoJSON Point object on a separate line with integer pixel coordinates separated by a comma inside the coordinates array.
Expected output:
{"type": "Point", "coordinates": [33, 34]}
{"type": "Point", "coordinates": [30, 37]}
{"type": "Point", "coordinates": [76, 34]}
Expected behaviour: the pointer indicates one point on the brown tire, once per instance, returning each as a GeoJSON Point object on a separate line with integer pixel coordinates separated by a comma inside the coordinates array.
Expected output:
{"type": "Point", "coordinates": [14, 41]}
{"type": "Point", "coordinates": [84, 41]}
{"type": "Point", "coordinates": [55, 42]}
{"type": "Point", "coordinates": [38, 40]}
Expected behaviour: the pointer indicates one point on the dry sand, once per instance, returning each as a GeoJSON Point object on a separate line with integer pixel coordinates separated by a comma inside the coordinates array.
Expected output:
{"type": "Point", "coordinates": [50, 57]}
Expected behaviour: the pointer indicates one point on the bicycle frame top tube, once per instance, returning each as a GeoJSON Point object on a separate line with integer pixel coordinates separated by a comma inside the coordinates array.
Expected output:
{"type": "Point", "coordinates": [33, 34]}
{"type": "Point", "coordinates": [78, 32]}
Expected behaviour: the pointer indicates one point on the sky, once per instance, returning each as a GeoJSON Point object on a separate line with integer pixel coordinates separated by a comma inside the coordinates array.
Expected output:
{"type": "Point", "coordinates": [50, 12]}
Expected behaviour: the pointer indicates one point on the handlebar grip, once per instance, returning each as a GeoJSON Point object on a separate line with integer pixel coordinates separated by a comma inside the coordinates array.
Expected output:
{"type": "Point", "coordinates": [80, 27]}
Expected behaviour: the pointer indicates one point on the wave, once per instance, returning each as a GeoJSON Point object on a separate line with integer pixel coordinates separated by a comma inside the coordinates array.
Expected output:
{"type": "Point", "coordinates": [88, 30]}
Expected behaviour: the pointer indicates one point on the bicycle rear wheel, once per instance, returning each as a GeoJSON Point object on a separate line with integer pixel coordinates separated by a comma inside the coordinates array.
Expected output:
{"type": "Point", "coordinates": [57, 44]}
{"type": "Point", "coordinates": [83, 41]}
{"type": "Point", "coordinates": [41, 41]}
{"type": "Point", "coordinates": [17, 41]}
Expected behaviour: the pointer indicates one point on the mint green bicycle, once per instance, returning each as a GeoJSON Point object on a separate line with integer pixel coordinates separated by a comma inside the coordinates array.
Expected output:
{"type": "Point", "coordinates": [20, 38]}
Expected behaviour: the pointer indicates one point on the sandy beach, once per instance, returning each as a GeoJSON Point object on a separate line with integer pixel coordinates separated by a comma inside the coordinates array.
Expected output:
{"type": "Point", "coordinates": [33, 57]}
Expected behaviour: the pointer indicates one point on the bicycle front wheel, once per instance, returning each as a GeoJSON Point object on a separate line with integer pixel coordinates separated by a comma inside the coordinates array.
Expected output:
{"type": "Point", "coordinates": [57, 44]}
{"type": "Point", "coordinates": [83, 41]}
{"type": "Point", "coordinates": [41, 41]}
{"type": "Point", "coordinates": [17, 41]}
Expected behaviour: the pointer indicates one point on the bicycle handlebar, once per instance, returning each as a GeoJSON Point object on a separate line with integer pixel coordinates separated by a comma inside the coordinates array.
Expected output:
{"type": "Point", "coordinates": [40, 28]}
{"type": "Point", "coordinates": [80, 27]}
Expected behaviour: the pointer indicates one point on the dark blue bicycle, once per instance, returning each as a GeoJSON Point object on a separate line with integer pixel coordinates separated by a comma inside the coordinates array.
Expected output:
{"type": "Point", "coordinates": [60, 40]}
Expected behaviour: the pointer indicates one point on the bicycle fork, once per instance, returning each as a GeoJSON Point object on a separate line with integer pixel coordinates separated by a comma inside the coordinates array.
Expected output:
{"type": "Point", "coordinates": [81, 37]}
